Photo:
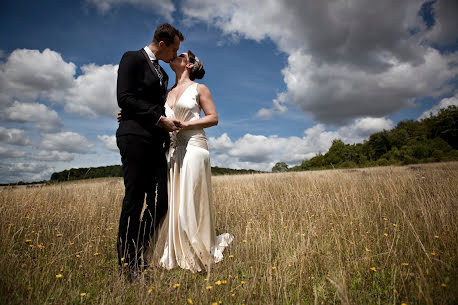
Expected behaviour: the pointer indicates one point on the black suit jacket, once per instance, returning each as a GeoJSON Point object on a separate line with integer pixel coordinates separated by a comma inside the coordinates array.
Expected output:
{"type": "Point", "coordinates": [141, 97]}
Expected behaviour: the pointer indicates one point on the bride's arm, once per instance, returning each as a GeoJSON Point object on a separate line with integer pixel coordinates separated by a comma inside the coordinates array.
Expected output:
{"type": "Point", "coordinates": [207, 105]}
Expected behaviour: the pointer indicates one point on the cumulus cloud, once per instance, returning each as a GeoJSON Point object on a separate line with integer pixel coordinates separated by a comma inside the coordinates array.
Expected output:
{"type": "Point", "coordinates": [29, 74]}
{"type": "Point", "coordinates": [445, 28]}
{"type": "Point", "coordinates": [53, 156]}
{"type": "Point", "coordinates": [344, 60]}
{"type": "Point", "coordinates": [10, 153]}
{"type": "Point", "coordinates": [444, 103]}
{"type": "Point", "coordinates": [13, 136]}
{"type": "Point", "coordinates": [262, 152]}
{"type": "Point", "coordinates": [20, 171]}
{"type": "Point", "coordinates": [336, 94]}
{"type": "Point", "coordinates": [44, 118]}
{"type": "Point", "coordinates": [163, 7]}
{"type": "Point", "coordinates": [109, 142]}
{"type": "Point", "coordinates": [94, 92]}
{"type": "Point", "coordinates": [68, 141]}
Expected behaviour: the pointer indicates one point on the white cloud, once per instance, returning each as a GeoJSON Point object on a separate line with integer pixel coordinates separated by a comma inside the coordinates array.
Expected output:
{"type": "Point", "coordinates": [29, 74]}
{"type": "Point", "coordinates": [53, 156]}
{"type": "Point", "coordinates": [9, 153]}
{"type": "Point", "coordinates": [44, 118]}
{"type": "Point", "coordinates": [94, 92]}
{"type": "Point", "coordinates": [31, 171]}
{"type": "Point", "coordinates": [445, 29]}
{"type": "Point", "coordinates": [14, 136]}
{"type": "Point", "coordinates": [163, 7]}
{"type": "Point", "coordinates": [336, 94]}
{"type": "Point", "coordinates": [109, 142]}
{"type": "Point", "coordinates": [344, 61]}
{"type": "Point", "coordinates": [65, 141]}
{"type": "Point", "coordinates": [262, 152]}
{"type": "Point", "coordinates": [444, 103]}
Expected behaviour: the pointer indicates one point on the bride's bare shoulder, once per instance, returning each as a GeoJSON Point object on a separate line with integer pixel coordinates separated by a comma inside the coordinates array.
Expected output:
{"type": "Point", "coordinates": [202, 89]}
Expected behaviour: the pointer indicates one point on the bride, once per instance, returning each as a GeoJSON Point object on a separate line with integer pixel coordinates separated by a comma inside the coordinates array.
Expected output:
{"type": "Point", "coordinates": [187, 237]}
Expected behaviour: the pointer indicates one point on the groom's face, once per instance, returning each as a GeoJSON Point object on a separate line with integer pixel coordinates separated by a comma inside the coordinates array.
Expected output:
{"type": "Point", "coordinates": [170, 51]}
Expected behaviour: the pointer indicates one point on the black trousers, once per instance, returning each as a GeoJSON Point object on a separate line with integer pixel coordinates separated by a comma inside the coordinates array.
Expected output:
{"type": "Point", "coordinates": [145, 172]}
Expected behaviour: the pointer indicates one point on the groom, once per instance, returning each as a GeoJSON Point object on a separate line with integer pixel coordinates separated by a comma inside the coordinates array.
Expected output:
{"type": "Point", "coordinates": [141, 138]}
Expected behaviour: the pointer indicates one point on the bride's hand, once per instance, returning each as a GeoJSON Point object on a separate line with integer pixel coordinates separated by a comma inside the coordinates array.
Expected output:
{"type": "Point", "coordinates": [119, 115]}
{"type": "Point", "coordinates": [184, 125]}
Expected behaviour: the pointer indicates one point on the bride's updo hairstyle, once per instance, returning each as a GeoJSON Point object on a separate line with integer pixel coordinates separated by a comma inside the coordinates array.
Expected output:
{"type": "Point", "coordinates": [197, 71]}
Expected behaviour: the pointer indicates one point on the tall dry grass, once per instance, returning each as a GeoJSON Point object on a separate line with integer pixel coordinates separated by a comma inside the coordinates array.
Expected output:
{"type": "Point", "coordinates": [362, 236]}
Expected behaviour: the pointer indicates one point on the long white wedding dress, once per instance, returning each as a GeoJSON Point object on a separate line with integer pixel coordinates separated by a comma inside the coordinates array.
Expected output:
{"type": "Point", "coordinates": [188, 232]}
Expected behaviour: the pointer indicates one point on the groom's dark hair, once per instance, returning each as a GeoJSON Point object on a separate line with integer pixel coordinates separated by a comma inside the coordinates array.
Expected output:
{"type": "Point", "coordinates": [166, 33]}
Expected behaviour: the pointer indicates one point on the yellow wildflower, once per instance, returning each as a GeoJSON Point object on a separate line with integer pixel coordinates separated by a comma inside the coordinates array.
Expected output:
{"type": "Point", "coordinates": [59, 235]}
{"type": "Point", "coordinates": [395, 225]}
{"type": "Point", "coordinates": [125, 264]}
{"type": "Point", "coordinates": [176, 285]}
{"type": "Point", "coordinates": [31, 246]}
{"type": "Point", "coordinates": [40, 246]}
{"type": "Point", "coordinates": [190, 301]}
{"type": "Point", "coordinates": [28, 240]}
{"type": "Point", "coordinates": [242, 282]}
{"type": "Point", "coordinates": [436, 236]}
{"type": "Point", "coordinates": [122, 259]}
{"type": "Point", "coordinates": [373, 269]}
{"type": "Point", "coordinates": [58, 276]}
{"type": "Point", "coordinates": [273, 267]}
{"type": "Point", "coordinates": [96, 253]}
{"type": "Point", "coordinates": [77, 256]}
{"type": "Point", "coordinates": [218, 283]}
{"type": "Point", "coordinates": [231, 256]}
{"type": "Point", "coordinates": [244, 240]}
{"type": "Point", "coordinates": [209, 287]}
{"type": "Point", "coordinates": [233, 295]}
{"type": "Point", "coordinates": [83, 294]}
{"type": "Point", "coordinates": [433, 253]}
{"type": "Point", "coordinates": [224, 282]}
{"type": "Point", "coordinates": [403, 303]}
{"type": "Point", "coordinates": [385, 234]}
{"type": "Point", "coordinates": [405, 264]}
{"type": "Point", "coordinates": [444, 285]}
{"type": "Point", "coordinates": [29, 288]}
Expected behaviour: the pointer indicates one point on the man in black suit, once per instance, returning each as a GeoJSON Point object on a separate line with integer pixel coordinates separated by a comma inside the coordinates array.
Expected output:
{"type": "Point", "coordinates": [142, 136]}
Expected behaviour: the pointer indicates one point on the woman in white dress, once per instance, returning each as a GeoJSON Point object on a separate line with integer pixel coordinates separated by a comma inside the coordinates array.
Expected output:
{"type": "Point", "coordinates": [187, 237]}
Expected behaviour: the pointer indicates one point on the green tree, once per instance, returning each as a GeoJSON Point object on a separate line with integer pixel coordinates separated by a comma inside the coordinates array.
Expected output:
{"type": "Point", "coordinates": [280, 167]}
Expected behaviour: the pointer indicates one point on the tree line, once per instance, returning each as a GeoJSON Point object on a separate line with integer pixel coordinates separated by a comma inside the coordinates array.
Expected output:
{"type": "Point", "coordinates": [116, 171]}
{"type": "Point", "coordinates": [432, 139]}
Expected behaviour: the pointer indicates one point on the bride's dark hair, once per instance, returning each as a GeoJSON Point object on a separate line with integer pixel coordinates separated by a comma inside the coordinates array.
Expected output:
{"type": "Point", "coordinates": [198, 71]}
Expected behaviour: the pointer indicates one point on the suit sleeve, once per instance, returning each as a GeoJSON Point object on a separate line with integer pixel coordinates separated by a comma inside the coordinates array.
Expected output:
{"type": "Point", "coordinates": [129, 67]}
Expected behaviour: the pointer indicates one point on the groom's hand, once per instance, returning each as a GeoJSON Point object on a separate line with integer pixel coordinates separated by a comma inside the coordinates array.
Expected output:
{"type": "Point", "coordinates": [169, 124]}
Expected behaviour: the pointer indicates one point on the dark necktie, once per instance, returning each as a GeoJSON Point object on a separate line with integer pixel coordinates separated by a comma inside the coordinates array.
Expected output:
{"type": "Point", "coordinates": [158, 71]}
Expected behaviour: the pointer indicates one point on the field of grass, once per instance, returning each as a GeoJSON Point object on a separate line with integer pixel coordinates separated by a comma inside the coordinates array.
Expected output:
{"type": "Point", "coordinates": [384, 235]}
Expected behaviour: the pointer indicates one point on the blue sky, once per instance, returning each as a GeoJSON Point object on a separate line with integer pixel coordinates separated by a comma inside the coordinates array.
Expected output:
{"type": "Point", "coordinates": [287, 77]}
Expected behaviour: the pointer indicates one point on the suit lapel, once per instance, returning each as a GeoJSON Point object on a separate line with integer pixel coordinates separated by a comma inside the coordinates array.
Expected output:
{"type": "Point", "coordinates": [165, 77]}
{"type": "Point", "coordinates": [150, 64]}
